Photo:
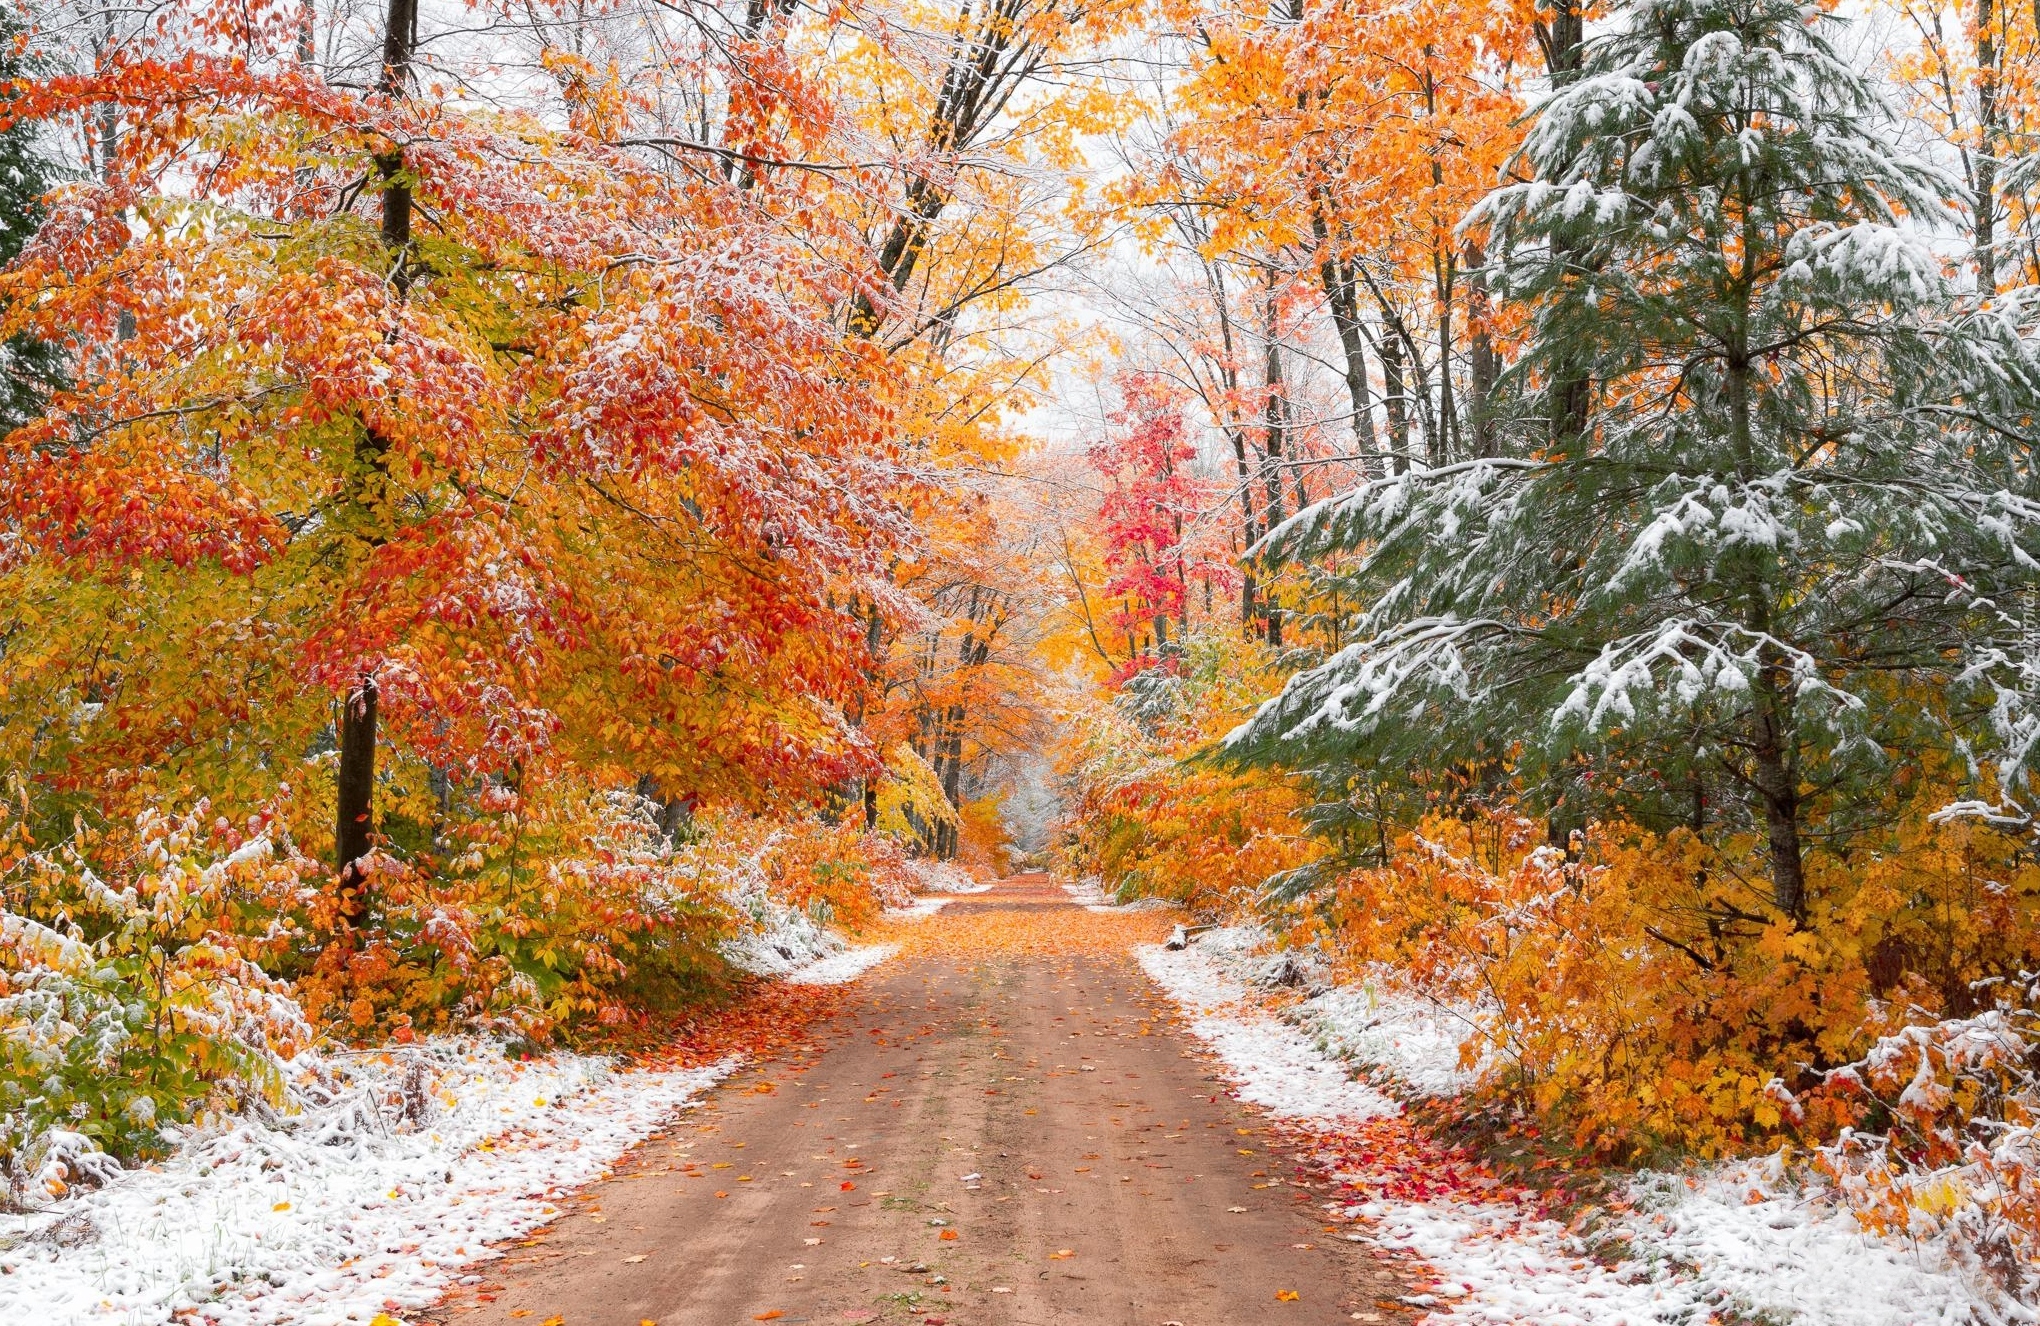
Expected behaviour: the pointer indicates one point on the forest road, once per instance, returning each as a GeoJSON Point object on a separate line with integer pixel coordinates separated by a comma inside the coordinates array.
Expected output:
{"type": "Point", "coordinates": [983, 1135]}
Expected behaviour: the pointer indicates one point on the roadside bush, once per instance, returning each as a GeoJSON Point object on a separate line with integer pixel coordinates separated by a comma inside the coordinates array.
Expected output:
{"type": "Point", "coordinates": [130, 1000]}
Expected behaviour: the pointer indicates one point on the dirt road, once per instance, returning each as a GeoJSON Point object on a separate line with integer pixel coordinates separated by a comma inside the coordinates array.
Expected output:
{"type": "Point", "coordinates": [1006, 1125]}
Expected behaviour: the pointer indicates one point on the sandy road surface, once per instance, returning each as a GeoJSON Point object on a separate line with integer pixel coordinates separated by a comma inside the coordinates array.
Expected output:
{"type": "Point", "coordinates": [1005, 1125]}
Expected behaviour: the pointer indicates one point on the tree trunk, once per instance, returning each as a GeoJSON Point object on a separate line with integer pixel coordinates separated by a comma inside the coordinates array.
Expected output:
{"type": "Point", "coordinates": [1985, 177]}
{"type": "Point", "coordinates": [1342, 296]}
{"type": "Point", "coordinates": [1395, 394]}
{"type": "Point", "coordinates": [354, 792]}
{"type": "Point", "coordinates": [1275, 425]}
{"type": "Point", "coordinates": [1486, 365]}
{"type": "Point", "coordinates": [1776, 777]}
{"type": "Point", "coordinates": [354, 797]}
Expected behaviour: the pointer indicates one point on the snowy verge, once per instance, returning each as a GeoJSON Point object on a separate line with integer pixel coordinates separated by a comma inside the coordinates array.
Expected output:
{"type": "Point", "coordinates": [842, 967]}
{"type": "Point", "coordinates": [1091, 896]}
{"type": "Point", "coordinates": [1277, 1066]}
{"type": "Point", "coordinates": [944, 877]}
{"type": "Point", "coordinates": [778, 940]}
{"type": "Point", "coordinates": [1740, 1241]}
{"type": "Point", "coordinates": [401, 1168]}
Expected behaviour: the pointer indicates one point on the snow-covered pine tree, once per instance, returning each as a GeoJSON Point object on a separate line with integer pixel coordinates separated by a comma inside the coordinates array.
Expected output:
{"type": "Point", "coordinates": [1742, 592]}
{"type": "Point", "coordinates": [29, 367]}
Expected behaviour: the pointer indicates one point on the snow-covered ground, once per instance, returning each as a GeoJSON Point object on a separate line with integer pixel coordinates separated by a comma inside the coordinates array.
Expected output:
{"type": "Point", "coordinates": [944, 877]}
{"type": "Point", "coordinates": [1087, 894]}
{"type": "Point", "coordinates": [937, 884]}
{"type": "Point", "coordinates": [847, 965]}
{"type": "Point", "coordinates": [1739, 1240]}
{"type": "Point", "coordinates": [400, 1169]}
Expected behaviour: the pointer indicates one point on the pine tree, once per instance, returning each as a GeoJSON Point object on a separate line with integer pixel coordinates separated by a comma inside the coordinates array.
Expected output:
{"type": "Point", "coordinates": [29, 367]}
{"type": "Point", "coordinates": [1741, 594]}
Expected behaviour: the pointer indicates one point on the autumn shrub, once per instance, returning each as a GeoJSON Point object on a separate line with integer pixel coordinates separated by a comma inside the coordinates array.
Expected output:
{"type": "Point", "coordinates": [1632, 995]}
{"type": "Point", "coordinates": [1950, 1139]}
{"type": "Point", "coordinates": [129, 996]}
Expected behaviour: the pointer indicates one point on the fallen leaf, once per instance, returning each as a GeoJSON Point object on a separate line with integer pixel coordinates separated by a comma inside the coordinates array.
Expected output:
{"type": "Point", "coordinates": [722, 1194]}
{"type": "Point", "coordinates": [520, 1312]}
{"type": "Point", "coordinates": [849, 1187]}
{"type": "Point", "coordinates": [949, 1234]}
{"type": "Point", "coordinates": [773, 1315]}
{"type": "Point", "coordinates": [1287, 1296]}
{"type": "Point", "coordinates": [636, 1259]}
{"type": "Point", "coordinates": [554, 1320]}
{"type": "Point", "coordinates": [1236, 1209]}
{"type": "Point", "coordinates": [1061, 1253]}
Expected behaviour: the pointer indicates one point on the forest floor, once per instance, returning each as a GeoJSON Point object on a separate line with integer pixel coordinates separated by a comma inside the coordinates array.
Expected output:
{"type": "Point", "coordinates": [1008, 1123]}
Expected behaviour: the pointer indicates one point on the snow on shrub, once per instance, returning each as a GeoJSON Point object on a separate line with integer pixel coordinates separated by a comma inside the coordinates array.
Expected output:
{"type": "Point", "coordinates": [131, 1005]}
{"type": "Point", "coordinates": [1951, 1145]}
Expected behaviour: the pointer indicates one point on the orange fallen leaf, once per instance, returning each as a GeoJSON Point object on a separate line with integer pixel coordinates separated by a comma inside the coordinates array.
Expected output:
{"type": "Point", "coordinates": [554, 1320]}
{"type": "Point", "coordinates": [1287, 1296]}
{"type": "Point", "coordinates": [773, 1315]}
{"type": "Point", "coordinates": [948, 1234]}
{"type": "Point", "coordinates": [848, 1187]}
{"type": "Point", "coordinates": [520, 1312]}
{"type": "Point", "coordinates": [722, 1194]}
{"type": "Point", "coordinates": [1061, 1253]}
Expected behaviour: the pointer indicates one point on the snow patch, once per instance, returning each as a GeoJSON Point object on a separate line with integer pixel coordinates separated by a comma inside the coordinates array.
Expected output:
{"type": "Point", "coordinates": [1091, 896]}
{"type": "Point", "coordinates": [843, 967]}
{"type": "Point", "coordinates": [1278, 1068]}
{"type": "Point", "coordinates": [944, 877]}
{"type": "Point", "coordinates": [398, 1169]}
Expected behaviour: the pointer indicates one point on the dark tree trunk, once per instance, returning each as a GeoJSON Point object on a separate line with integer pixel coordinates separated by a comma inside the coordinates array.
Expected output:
{"type": "Point", "coordinates": [1777, 784]}
{"type": "Point", "coordinates": [1486, 365]}
{"type": "Point", "coordinates": [1395, 394]}
{"type": "Point", "coordinates": [354, 794]}
{"type": "Point", "coordinates": [400, 41]}
{"type": "Point", "coordinates": [1987, 122]}
{"type": "Point", "coordinates": [1342, 295]}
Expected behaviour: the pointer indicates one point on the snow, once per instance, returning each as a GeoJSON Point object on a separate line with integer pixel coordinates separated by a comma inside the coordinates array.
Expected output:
{"type": "Point", "coordinates": [1088, 894]}
{"type": "Point", "coordinates": [1278, 1067]}
{"type": "Point", "coordinates": [345, 1208]}
{"type": "Point", "coordinates": [780, 939]}
{"type": "Point", "coordinates": [944, 877]}
{"type": "Point", "coordinates": [920, 909]}
{"type": "Point", "coordinates": [1742, 1240]}
{"type": "Point", "coordinates": [840, 968]}
{"type": "Point", "coordinates": [1405, 1036]}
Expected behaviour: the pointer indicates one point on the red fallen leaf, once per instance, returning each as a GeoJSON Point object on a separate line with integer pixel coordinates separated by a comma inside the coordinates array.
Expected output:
{"type": "Point", "coordinates": [773, 1315]}
{"type": "Point", "coordinates": [849, 1186]}
{"type": "Point", "coordinates": [949, 1234]}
